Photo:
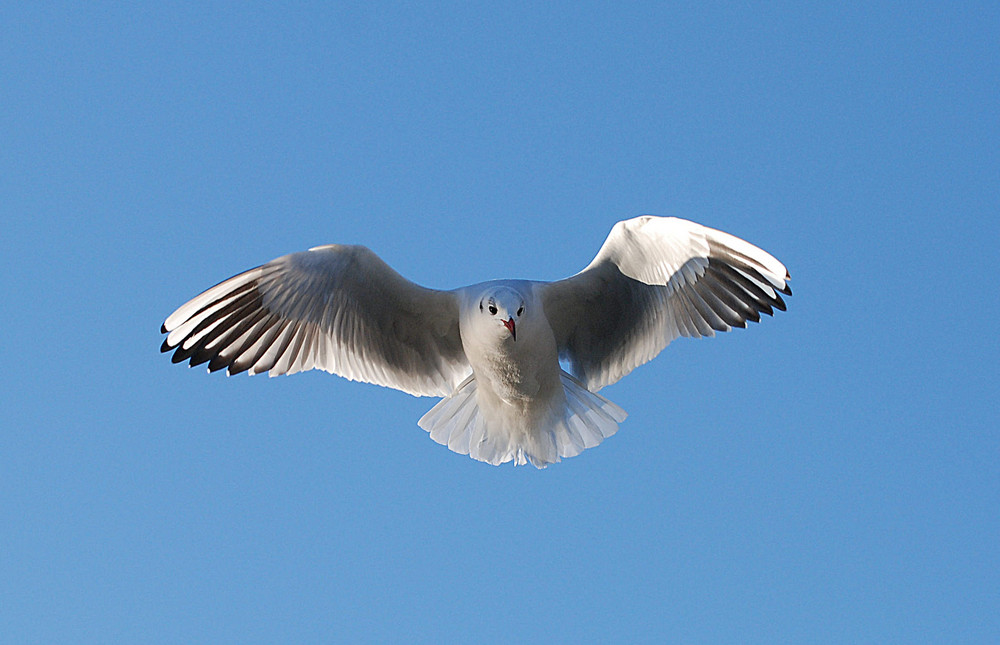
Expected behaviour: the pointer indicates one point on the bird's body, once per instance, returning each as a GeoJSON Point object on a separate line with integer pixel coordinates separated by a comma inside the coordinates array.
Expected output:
{"type": "Point", "coordinates": [516, 405]}
{"type": "Point", "coordinates": [517, 372]}
{"type": "Point", "coordinates": [492, 350]}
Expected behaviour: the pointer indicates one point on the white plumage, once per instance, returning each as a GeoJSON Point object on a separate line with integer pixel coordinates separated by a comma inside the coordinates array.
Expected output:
{"type": "Point", "coordinates": [492, 350]}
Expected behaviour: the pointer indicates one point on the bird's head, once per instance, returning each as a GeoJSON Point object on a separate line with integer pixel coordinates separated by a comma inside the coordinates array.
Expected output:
{"type": "Point", "coordinates": [504, 306]}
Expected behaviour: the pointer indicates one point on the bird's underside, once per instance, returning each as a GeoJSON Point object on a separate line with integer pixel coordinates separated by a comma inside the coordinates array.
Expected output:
{"type": "Point", "coordinates": [491, 350]}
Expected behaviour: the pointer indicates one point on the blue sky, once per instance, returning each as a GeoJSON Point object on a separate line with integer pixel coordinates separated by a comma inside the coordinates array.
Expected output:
{"type": "Point", "coordinates": [830, 475]}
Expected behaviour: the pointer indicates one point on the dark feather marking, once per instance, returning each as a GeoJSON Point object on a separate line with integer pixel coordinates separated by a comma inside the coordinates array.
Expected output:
{"type": "Point", "coordinates": [746, 261]}
{"type": "Point", "coordinates": [242, 361]}
{"type": "Point", "coordinates": [731, 294]}
{"type": "Point", "coordinates": [217, 332]}
{"type": "Point", "coordinates": [756, 295]}
{"type": "Point", "coordinates": [282, 337]}
{"type": "Point", "coordinates": [239, 291]}
{"type": "Point", "coordinates": [237, 307]}
{"type": "Point", "coordinates": [707, 291]}
{"type": "Point", "coordinates": [221, 357]}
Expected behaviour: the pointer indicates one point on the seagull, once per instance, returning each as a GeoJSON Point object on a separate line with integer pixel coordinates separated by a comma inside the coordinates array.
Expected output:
{"type": "Point", "coordinates": [493, 351]}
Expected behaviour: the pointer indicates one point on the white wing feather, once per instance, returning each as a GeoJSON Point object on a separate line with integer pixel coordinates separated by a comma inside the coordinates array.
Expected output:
{"type": "Point", "coordinates": [654, 279]}
{"type": "Point", "coordinates": [337, 308]}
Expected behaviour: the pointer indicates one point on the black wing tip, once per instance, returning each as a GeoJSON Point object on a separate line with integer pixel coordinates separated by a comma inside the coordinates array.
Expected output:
{"type": "Point", "coordinates": [196, 358]}
{"type": "Point", "coordinates": [787, 289]}
{"type": "Point", "coordinates": [237, 369]}
{"type": "Point", "coordinates": [163, 328]}
{"type": "Point", "coordinates": [219, 362]}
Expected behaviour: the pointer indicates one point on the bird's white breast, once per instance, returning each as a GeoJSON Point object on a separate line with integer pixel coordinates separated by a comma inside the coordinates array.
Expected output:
{"type": "Point", "coordinates": [514, 371]}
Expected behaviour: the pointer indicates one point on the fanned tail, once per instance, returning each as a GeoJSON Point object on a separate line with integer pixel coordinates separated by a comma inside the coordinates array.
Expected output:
{"type": "Point", "coordinates": [576, 420]}
{"type": "Point", "coordinates": [452, 420]}
{"type": "Point", "coordinates": [589, 418]}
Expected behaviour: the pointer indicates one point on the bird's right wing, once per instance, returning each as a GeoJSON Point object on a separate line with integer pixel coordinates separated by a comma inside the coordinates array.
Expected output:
{"type": "Point", "coordinates": [336, 308]}
{"type": "Point", "coordinates": [654, 279]}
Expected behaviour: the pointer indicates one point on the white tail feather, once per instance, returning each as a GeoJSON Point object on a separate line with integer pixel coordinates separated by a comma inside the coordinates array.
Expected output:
{"type": "Point", "coordinates": [576, 420]}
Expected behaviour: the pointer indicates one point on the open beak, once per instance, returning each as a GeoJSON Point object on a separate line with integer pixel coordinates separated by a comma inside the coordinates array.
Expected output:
{"type": "Point", "coordinates": [509, 324]}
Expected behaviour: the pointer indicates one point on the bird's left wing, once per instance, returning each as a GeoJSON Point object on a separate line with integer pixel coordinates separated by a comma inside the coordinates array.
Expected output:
{"type": "Point", "coordinates": [336, 308]}
{"type": "Point", "coordinates": [654, 279]}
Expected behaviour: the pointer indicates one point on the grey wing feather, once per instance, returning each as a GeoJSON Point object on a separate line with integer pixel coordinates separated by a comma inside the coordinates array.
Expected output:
{"type": "Point", "coordinates": [336, 308]}
{"type": "Point", "coordinates": [654, 279]}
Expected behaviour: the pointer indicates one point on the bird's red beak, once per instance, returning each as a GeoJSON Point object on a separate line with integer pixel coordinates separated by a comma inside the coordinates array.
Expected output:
{"type": "Point", "coordinates": [509, 324]}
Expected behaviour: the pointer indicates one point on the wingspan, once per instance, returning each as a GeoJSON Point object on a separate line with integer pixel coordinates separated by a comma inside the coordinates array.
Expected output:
{"type": "Point", "coordinates": [336, 308]}
{"type": "Point", "coordinates": [654, 279]}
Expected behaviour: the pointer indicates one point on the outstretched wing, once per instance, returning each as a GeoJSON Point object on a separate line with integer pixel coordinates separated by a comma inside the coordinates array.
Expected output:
{"type": "Point", "coordinates": [336, 308]}
{"type": "Point", "coordinates": [657, 278]}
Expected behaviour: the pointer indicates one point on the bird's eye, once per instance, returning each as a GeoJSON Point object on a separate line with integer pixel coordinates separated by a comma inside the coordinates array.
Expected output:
{"type": "Point", "coordinates": [493, 310]}
{"type": "Point", "coordinates": [521, 310]}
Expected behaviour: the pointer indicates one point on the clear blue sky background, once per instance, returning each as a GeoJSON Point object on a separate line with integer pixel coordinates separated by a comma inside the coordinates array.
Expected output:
{"type": "Point", "coordinates": [830, 475]}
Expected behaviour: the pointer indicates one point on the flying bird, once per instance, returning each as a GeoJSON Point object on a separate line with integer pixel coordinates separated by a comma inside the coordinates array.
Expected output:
{"type": "Point", "coordinates": [492, 350]}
